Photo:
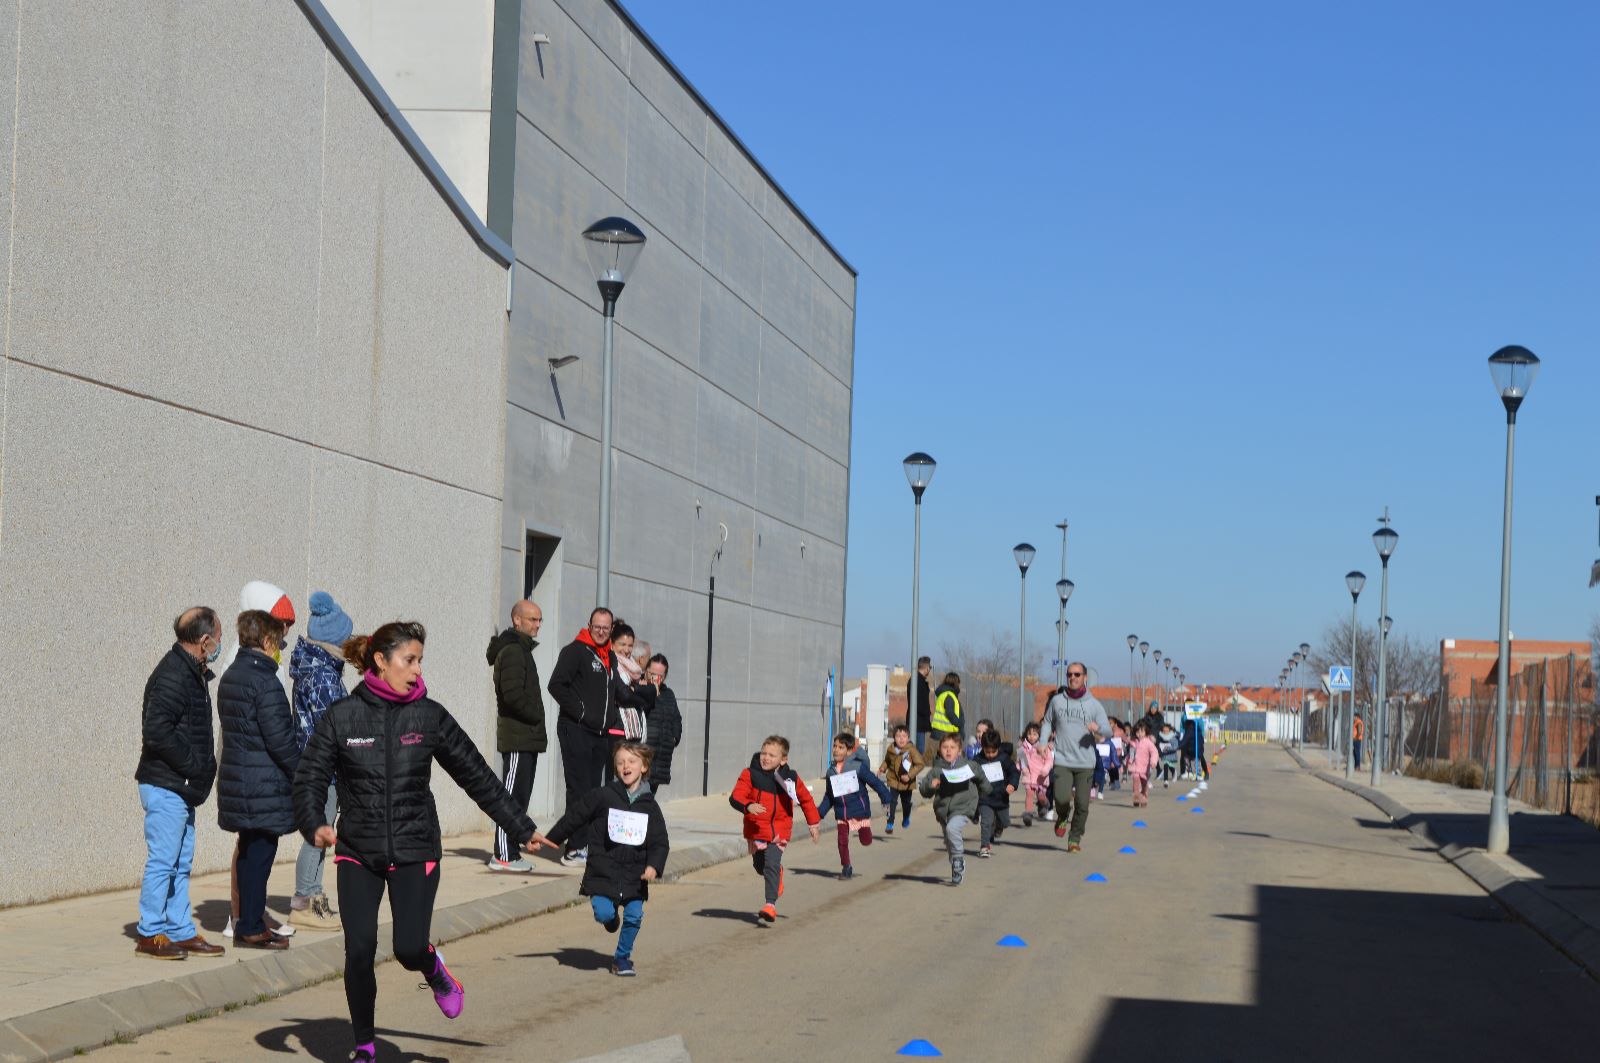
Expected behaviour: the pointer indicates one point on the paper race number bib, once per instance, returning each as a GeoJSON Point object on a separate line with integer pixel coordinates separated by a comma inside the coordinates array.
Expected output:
{"type": "Point", "coordinates": [788, 784]}
{"type": "Point", "coordinates": [905, 764]}
{"type": "Point", "coordinates": [844, 783]}
{"type": "Point", "coordinates": [627, 828]}
{"type": "Point", "coordinates": [994, 772]}
{"type": "Point", "coordinates": [961, 774]}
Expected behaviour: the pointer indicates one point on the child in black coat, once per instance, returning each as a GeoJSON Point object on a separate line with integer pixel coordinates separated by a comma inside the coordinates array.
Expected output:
{"type": "Point", "coordinates": [627, 850]}
{"type": "Point", "coordinates": [996, 762]}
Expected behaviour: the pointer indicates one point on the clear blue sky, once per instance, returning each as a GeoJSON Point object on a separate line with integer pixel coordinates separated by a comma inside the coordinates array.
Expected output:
{"type": "Point", "coordinates": [1215, 282]}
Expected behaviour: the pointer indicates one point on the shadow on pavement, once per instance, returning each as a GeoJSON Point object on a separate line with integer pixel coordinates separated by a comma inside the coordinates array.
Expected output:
{"type": "Point", "coordinates": [932, 880]}
{"type": "Point", "coordinates": [726, 913]}
{"type": "Point", "coordinates": [328, 1040]}
{"type": "Point", "coordinates": [577, 959]}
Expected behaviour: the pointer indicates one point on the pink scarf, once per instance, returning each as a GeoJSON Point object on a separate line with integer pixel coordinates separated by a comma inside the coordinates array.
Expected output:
{"type": "Point", "coordinates": [376, 684]}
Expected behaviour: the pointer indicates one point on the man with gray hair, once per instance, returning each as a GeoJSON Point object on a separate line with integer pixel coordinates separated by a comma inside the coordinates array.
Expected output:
{"type": "Point", "coordinates": [1073, 722]}
{"type": "Point", "coordinates": [177, 767]}
{"type": "Point", "coordinates": [520, 734]}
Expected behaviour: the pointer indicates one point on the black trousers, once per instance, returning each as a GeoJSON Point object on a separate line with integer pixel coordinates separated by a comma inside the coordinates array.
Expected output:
{"type": "Point", "coordinates": [903, 799]}
{"type": "Point", "coordinates": [256, 852]}
{"type": "Point", "coordinates": [412, 888]}
{"type": "Point", "coordinates": [583, 762]}
{"type": "Point", "coordinates": [517, 770]}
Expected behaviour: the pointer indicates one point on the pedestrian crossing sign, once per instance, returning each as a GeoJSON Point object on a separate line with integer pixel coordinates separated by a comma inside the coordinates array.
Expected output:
{"type": "Point", "coordinates": [1339, 677]}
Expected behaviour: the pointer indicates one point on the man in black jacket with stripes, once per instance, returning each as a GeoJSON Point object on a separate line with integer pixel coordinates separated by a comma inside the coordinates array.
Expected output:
{"type": "Point", "coordinates": [520, 732]}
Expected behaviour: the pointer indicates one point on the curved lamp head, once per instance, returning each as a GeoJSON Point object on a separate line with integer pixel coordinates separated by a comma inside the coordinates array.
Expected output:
{"type": "Point", "coordinates": [1133, 643]}
{"type": "Point", "coordinates": [1155, 655]}
{"type": "Point", "coordinates": [1513, 369]}
{"type": "Point", "coordinates": [1064, 588]}
{"type": "Point", "coordinates": [919, 472]}
{"type": "Point", "coordinates": [1386, 623]}
{"type": "Point", "coordinates": [1144, 649]}
{"type": "Point", "coordinates": [1305, 651]}
{"type": "Point", "coordinates": [1355, 581]}
{"type": "Point", "coordinates": [1023, 552]}
{"type": "Point", "coordinates": [613, 246]}
{"type": "Point", "coordinates": [1385, 539]}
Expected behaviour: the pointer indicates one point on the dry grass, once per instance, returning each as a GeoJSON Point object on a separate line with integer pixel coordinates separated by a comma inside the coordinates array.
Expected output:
{"type": "Point", "coordinates": [1463, 774]}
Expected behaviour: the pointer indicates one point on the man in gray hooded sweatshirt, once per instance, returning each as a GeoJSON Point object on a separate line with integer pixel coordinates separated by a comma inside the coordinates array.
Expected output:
{"type": "Point", "coordinates": [1073, 722]}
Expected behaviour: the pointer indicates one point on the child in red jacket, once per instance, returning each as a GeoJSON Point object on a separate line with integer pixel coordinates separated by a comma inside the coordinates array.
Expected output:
{"type": "Point", "coordinates": [766, 794]}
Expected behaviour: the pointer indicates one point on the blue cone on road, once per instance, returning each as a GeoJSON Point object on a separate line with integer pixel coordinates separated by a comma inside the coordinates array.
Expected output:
{"type": "Point", "coordinates": [1183, 797]}
{"type": "Point", "coordinates": [1096, 877]}
{"type": "Point", "coordinates": [1141, 824]}
{"type": "Point", "coordinates": [1196, 809]}
{"type": "Point", "coordinates": [919, 1047]}
{"type": "Point", "coordinates": [1127, 850]}
{"type": "Point", "coordinates": [1011, 941]}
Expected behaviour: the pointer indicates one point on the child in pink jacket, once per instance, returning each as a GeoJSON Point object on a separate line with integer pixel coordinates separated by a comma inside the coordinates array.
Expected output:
{"type": "Point", "coordinates": [1141, 762]}
{"type": "Point", "coordinates": [1034, 760]}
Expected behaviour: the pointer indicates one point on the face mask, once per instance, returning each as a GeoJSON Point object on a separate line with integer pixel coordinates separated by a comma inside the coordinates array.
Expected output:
{"type": "Point", "coordinates": [211, 658]}
{"type": "Point", "coordinates": [277, 656]}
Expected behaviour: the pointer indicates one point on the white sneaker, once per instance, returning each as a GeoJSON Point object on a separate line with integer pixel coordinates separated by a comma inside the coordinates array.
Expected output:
{"type": "Point", "coordinates": [521, 867]}
{"type": "Point", "coordinates": [576, 858]}
{"type": "Point", "coordinates": [227, 931]}
{"type": "Point", "coordinates": [1050, 815]}
{"type": "Point", "coordinates": [283, 931]}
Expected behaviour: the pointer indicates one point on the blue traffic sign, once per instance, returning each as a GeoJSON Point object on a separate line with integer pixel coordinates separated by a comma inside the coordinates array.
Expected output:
{"type": "Point", "coordinates": [1339, 677]}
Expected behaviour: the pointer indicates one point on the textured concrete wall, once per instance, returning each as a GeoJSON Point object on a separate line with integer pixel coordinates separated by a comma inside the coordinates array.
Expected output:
{"type": "Point", "coordinates": [734, 355]}
{"type": "Point", "coordinates": [245, 338]}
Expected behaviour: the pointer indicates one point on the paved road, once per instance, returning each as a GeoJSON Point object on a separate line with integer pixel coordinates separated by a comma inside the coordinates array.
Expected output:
{"type": "Point", "coordinates": [1287, 921]}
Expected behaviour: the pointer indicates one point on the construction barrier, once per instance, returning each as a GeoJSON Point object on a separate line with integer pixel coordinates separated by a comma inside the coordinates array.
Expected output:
{"type": "Point", "coordinates": [1230, 738]}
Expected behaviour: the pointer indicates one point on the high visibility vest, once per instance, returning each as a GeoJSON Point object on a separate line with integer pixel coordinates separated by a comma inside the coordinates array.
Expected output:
{"type": "Point", "coordinates": [947, 712]}
{"type": "Point", "coordinates": [1359, 730]}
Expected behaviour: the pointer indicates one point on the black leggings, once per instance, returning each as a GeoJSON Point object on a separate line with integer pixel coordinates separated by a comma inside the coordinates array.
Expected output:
{"type": "Point", "coordinates": [412, 888]}
{"type": "Point", "coordinates": [903, 799]}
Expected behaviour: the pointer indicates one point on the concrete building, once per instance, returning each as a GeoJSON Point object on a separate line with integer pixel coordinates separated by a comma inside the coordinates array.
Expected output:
{"type": "Point", "coordinates": [255, 329]}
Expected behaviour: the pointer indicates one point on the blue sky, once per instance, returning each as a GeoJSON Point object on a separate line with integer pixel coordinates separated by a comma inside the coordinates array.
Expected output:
{"type": "Point", "coordinates": [1216, 283]}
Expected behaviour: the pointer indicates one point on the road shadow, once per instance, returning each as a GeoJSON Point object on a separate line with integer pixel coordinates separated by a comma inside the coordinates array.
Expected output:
{"type": "Point", "coordinates": [328, 1041]}
{"type": "Point", "coordinates": [1041, 847]}
{"type": "Point", "coordinates": [818, 871]}
{"type": "Point", "coordinates": [727, 913]}
{"type": "Point", "coordinates": [930, 880]}
{"type": "Point", "coordinates": [575, 958]}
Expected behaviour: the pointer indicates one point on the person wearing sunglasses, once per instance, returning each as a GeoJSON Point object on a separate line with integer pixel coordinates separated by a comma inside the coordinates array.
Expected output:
{"type": "Point", "coordinates": [1073, 722]}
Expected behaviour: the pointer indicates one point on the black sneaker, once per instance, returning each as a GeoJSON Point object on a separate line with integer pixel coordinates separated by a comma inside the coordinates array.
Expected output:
{"type": "Point", "coordinates": [613, 924]}
{"type": "Point", "coordinates": [848, 871]}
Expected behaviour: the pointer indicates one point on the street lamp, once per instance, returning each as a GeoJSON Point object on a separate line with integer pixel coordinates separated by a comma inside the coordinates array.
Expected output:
{"type": "Point", "coordinates": [1305, 657]}
{"type": "Point", "coordinates": [1384, 539]}
{"type": "Point", "coordinates": [1144, 673]}
{"type": "Point", "coordinates": [613, 246]}
{"type": "Point", "coordinates": [919, 473]}
{"type": "Point", "coordinates": [1513, 369]}
{"type": "Point", "coordinates": [1064, 588]}
{"type": "Point", "coordinates": [1133, 644]}
{"type": "Point", "coordinates": [1354, 581]}
{"type": "Point", "coordinates": [1023, 552]}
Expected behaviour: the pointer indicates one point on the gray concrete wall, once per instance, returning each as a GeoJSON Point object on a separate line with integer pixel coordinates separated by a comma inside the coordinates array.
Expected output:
{"type": "Point", "coordinates": [734, 354]}
{"type": "Point", "coordinates": [245, 337]}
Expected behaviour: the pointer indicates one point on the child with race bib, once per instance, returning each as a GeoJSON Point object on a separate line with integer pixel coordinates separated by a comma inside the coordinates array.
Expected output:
{"type": "Point", "coordinates": [627, 847]}
{"type": "Point", "coordinates": [955, 785]}
{"type": "Point", "coordinates": [1035, 765]}
{"type": "Point", "coordinates": [901, 766]}
{"type": "Point", "coordinates": [765, 795]}
{"type": "Point", "coordinates": [847, 796]}
{"type": "Point", "coordinates": [994, 809]}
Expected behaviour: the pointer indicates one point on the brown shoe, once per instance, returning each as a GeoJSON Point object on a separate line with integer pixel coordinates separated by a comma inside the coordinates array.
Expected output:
{"type": "Point", "coordinates": [264, 940]}
{"type": "Point", "coordinates": [199, 946]}
{"type": "Point", "coordinates": [159, 947]}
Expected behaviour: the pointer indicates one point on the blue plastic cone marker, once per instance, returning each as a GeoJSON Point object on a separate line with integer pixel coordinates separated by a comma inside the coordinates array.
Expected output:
{"type": "Point", "coordinates": [1183, 797]}
{"type": "Point", "coordinates": [1096, 877]}
{"type": "Point", "coordinates": [1141, 824]}
{"type": "Point", "coordinates": [1128, 850]}
{"type": "Point", "coordinates": [1011, 941]}
{"type": "Point", "coordinates": [919, 1047]}
{"type": "Point", "coordinates": [1196, 809]}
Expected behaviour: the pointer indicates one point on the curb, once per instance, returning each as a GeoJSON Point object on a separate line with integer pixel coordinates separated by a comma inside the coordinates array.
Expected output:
{"type": "Point", "coordinates": [67, 1029]}
{"type": "Point", "coordinates": [1570, 935]}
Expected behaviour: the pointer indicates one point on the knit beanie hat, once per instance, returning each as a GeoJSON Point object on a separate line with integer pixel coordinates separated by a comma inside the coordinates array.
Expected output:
{"type": "Point", "coordinates": [267, 597]}
{"type": "Point", "coordinates": [328, 622]}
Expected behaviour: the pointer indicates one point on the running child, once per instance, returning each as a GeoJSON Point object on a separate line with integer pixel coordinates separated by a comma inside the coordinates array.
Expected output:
{"type": "Point", "coordinates": [1035, 759]}
{"type": "Point", "coordinates": [955, 786]}
{"type": "Point", "coordinates": [627, 847]}
{"type": "Point", "coordinates": [846, 795]}
{"type": "Point", "coordinates": [901, 766]}
{"type": "Point", "coordinates": [765, 795]}
{"type": "Point", "coordinates": [994, 808]}
{"type": "Point", "coordinates": [1167, 746]}
{"type": "Point", "coordinates": [975, 743]}
{"type": "Point", "coordinates": [1141, 763]}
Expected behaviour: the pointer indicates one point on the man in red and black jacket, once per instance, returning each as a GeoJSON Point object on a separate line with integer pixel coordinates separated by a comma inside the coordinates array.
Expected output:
{"type": "Point", "coordinates": [581, 684]}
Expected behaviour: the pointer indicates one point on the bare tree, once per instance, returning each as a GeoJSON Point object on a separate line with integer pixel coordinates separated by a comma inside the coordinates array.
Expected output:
{"type": "Point", "coordinates": [988, 670]}
{"type": "Point", "coordinates": [1411, 669]}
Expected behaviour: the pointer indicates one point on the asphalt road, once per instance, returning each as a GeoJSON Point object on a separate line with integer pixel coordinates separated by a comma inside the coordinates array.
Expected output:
{"type": "Point", "coordinates": [1288, 921]}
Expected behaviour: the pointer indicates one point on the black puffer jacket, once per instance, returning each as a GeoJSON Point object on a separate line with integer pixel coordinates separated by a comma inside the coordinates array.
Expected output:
{"type": "Point", "coordinates": [616, 863]}
{"type": "Point", "coordinates": [177, 749]}
{"type": "Point", "coordinates": [383, 753]}
{"type": "Point", "coordinates": [585, 688]}
{"type": "Point", "coordinates": [518, 697]}
{"type": "Point", "coordinates": [259, 752]}
{"type": "Point", "coordinates": [664, 730]}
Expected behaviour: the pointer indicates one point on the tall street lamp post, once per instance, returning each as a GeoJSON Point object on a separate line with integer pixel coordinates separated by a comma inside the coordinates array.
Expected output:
{"type": "Point", "coordinates": [1305, 662]}
{"type": "Point", "coordinates": [1354, 581]}
{"type": "Point", "coordinates": [1064, 589]}
{"type": "Point", "coordinates": [613, 246]}
{"type": "Point", "coordinates": [1023, 553]}
{"type": "Point", "coordinates": [919, 474]}
{"type": "Point", "coordinates": [1513, 369]}
{"type": "Point", "coordinates": [1384, 539]}
{"type": "Point", "coordinates": [1133, 644]}
{"type": "Point", "coordinates": [1144, 673]}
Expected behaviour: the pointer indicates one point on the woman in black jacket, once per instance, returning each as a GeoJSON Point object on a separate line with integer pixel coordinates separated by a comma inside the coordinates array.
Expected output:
{"type": "Point", "coordinates": [381, 742]}
{"type": "Point", "coordinates": [257, 769]}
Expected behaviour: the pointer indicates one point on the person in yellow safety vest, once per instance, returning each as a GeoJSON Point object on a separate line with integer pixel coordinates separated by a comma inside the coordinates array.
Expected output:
{"type": "Point", "coordinates": [946, 712]}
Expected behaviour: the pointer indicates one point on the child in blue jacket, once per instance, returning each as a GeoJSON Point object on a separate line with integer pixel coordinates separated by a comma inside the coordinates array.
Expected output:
{"type": "Point", "coordinates": [847, 796]}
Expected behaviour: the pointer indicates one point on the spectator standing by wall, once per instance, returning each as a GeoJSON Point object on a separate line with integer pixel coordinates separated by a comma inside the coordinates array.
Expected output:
{"type": "Point", "coordinates": [665, 729]}
{"type": "Point", "coordinates": [317, 668]}
{"type": "Point", "coordinates": [583, 683]}
{"type": "Point", "coordinates": [520, 734]}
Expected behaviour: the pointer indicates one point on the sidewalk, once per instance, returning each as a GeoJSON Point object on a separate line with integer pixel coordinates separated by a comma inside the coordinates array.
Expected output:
{"type": "Point", "coordinates": [71, 980]}
{"type": "Point", "coordinates": [1550, 879]}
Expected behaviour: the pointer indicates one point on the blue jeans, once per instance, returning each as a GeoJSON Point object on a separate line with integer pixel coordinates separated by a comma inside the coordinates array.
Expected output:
{"type": "Point", "coordinates": [605, 910]}
{"type": "Point", "coordinates": [169, 854]}
{"type": "Point", "coordinates": [308, 865]}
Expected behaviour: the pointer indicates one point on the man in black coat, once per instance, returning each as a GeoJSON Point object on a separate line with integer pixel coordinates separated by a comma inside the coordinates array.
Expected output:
{"type": "Point", "coordinates": [176, 770]}
{"type": "Point", "coordinates": [520, 733]}
{"type": "Point", "coordinates": [582, 684]}
{"type": "Point", "coordinates": [919, 699]}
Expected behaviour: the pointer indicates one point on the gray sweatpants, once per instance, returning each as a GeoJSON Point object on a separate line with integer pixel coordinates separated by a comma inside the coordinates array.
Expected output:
{"type": "Point", "coordinates": [954, 844]}
{"type": "Point", "coordinates": [308, 865]}
{"type": "Point", "coordinates": [769, 862]}
{"type": "Point", "coordinates": [991, 822]}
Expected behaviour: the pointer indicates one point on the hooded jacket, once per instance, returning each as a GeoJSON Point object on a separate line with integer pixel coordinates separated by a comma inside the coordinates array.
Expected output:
{"type": "Point", "coordinates": [905, 761]}
{"type": "Point", "coordinates": [1035, 764]}
{"type": "Point", "coordinates": [779, 790]}
{"type": "Point", "coordinates": [954, 798]}
{"type": "Point", "coordinates": [665, 729]}
{"type": "Point", "coordinates": [176, 750]}
{"type": "Point", "coordinates": [518, 696]}
{"type": "Point", "coordinates": [855, 805]}
{"type": "Point", "coordinates": [383, 753]}
{"type": "Point", "coordinates": [583, 684]}
{"type": "Point", "coordinates": [1009, 776]}
{"type": "Point", "coordinates": [259, 753]}
{"type": "Point", "coordinates": [615, 861]}
{"type": "Point", "coordinates": [318, 675]}
{"type": "Point", "coordinates": [1066, 726]}
{"type": "Point", "coordinates": [1143, 756]}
